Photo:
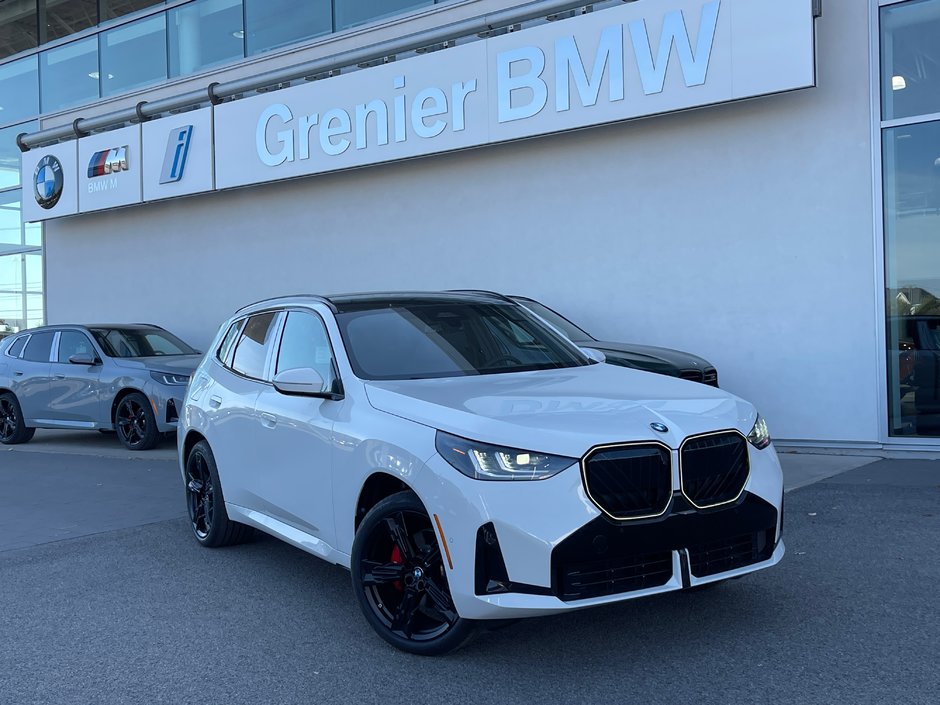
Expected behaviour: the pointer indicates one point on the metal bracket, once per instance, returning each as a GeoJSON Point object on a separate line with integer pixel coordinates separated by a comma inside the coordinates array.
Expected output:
{"type": "Point", "coordinates": [817, 9]}
{"type": "Point", "coordinates": [140, 112]}
{"type": "Point", "coordinates": [78, 131]}
{"type": "Point", "coordinates": [20, 143]}
{"type": "Point", "coordinates": [210, 90]}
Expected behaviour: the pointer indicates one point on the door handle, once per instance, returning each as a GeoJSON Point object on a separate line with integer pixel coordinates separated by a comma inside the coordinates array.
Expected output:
{"type": "Point", "coordinates": [215, 402]}
{"type": "Point", "coordinates": [17, 374]}
{"type": "Point", "coordinates": [268, 420]}
{"type": "Point", "coordinates": [60, 376]}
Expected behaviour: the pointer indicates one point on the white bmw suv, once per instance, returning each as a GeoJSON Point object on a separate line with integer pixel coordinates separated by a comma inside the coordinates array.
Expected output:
{"type": "Point", "coordinates": [466, 462]}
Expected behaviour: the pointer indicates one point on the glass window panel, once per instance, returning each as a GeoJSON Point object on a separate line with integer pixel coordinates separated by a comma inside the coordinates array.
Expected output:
{"type": "Point", "coordinates": [352, 12]}
{"type": "Point", "coordinates": [65, 17]}
{"type": "Point", "coordinates": [69, 75]}
{"type": "Point", "coordinates": [133, 55]}
{"type": "Point", "coordinates": [10, 154]}
{"type": "Point", "coordinates": [19, 26]}
{"type": "Point", "coordinates": [19, 89]}
{"type": "Point", "coordinates": [39, 347]}
{"type": "Point", "coordinates": [11, 224]}
{"type": "Point", "coordinates": [910, 59]}
{"type": "Point", "coordinates": [912, 262]}
{"type": "Point", "coordinates": [305, 343]}
{"type": "Point", "coordinates": [252, 349]}
{"type": "Point", "coordinates": [204, 34]}
{"type": "Point", "coordinates": [110, 9]}
{"type": "Point", "coordinates": [275, 23]}
{"type": "Point", "coordinates": [12, 315]}
{"type": "Point", "coordinates": [72, 342]}
{"type": "Point", "coordinates": [35, 303]}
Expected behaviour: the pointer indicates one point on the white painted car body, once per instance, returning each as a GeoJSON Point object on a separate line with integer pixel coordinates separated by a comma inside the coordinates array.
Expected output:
{"type": "Point", "coordinates": [295, 467]}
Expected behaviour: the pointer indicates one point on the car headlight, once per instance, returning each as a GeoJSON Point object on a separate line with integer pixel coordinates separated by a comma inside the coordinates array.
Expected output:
{"type": "Point", "coordinates": [485, 462]}
{"type": "Point", "coordinates": [169, 379]}
{"type": "Point", "coordinates": [759, 437]}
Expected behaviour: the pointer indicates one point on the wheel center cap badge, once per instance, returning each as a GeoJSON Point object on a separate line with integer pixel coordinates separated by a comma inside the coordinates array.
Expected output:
{"type": "Point", "coordinates": [418, 573]}
{"type": "Point", "coordinates": [659, 428]}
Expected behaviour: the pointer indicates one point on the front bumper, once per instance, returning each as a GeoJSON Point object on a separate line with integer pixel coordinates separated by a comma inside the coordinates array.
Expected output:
{"type": "Point", "coordinates": [533, 548]}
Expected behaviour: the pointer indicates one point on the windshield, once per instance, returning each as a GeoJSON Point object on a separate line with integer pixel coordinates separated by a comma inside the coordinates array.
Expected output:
{"type": "Point", "coordinates": [556, 319]}
{"type": "Point", "coordinates": [424, 339]}
{"type": "Point", "coordinates": [139, 342]}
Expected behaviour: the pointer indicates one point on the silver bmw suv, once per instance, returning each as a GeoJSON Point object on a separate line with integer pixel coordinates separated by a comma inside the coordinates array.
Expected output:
{"type": "Point", "coordinates": [126, 378]}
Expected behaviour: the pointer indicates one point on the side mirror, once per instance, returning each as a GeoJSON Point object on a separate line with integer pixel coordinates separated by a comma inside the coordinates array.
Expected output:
{"type": "Point", "coordinates": [303, 381]}
{"type": "Point", "coordinates": [84, 359]}
{"type": "Point", "coordinates": [594, 354]}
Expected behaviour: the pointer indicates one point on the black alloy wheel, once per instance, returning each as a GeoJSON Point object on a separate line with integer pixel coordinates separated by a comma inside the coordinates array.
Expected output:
{"type": "Point", "coordinates": [13, 428]}
{"type": "Point", "coordinates": [135, 422]}
{"type": "Point", "coordinates": [206, 505]}
{"type": "Point", "coordinates": [400, 580]}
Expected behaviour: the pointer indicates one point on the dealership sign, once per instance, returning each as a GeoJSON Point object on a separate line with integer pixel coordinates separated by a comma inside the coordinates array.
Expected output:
{"type": "Point", "coordinates": [622, 63]}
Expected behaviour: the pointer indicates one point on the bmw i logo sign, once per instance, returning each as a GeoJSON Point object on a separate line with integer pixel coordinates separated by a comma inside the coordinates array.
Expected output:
{"type": "Point", "coordinates": [659, 428]}
{"type": "Point", "coordinates": [47, 182]}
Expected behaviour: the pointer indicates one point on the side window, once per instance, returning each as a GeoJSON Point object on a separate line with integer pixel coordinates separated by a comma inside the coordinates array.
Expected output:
{"type": "Point", "coordinates": [18, 346]}
{"type": "Point", "coordinates": [253, 346]}
{"type": "Point", "coordinates": [305, 343]}
{"type": "Point", "coordinates": [228, 342]}
{"type": "Point", "coordinates": [39, 347]}
{"type": "Point", "coordinates": [72, 342]}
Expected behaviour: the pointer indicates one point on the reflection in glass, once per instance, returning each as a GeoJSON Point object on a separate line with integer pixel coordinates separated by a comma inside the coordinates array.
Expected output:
{"type": "Point", "coordinates": [10, 154]}
{"type": "Point", "coordinates": [110, 9]}
{"type": "Point", "coordinates": [11, 228]}
{"type": "Point", "coordinates": [912, 275]}
{"type": "Point", "coordinates": [133, 55]}
{"type": "Point", "coordinates": [204, 34]}
{"type": "Point", "coordinates": [352, 12]}
{"type": "Point", "coordinates": [69, 75]}
{"type": "Point", "coordinates": [20, 292]}
{"type": "Point", "coordinates": [19, 89]}
{"type": "Point", "coordinates": [19, 27]}
{"type": "Point", "coordinates": [65, 17]}
{"type": "Point", "coordinates": [275, 23]}
{"type": "Point", "coordinates": [910, 59]}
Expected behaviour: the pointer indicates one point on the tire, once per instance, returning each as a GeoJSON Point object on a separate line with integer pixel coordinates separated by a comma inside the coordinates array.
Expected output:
{"type": "Point", "coordinates": [13, 428]}
{"type": "Point", "coordinates": [399, 578]}
{"type": "Point", "coordinates": [207, 516]}
{"type": "Point", "coordinates": [135, 423]}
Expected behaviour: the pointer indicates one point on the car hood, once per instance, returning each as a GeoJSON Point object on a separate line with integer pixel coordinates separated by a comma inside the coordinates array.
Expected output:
{"type": "Point", "coordinates": [565, 412]}
{"type": "Point", "coordinates": [172, 364]}
{"type": "Point", "coordinates": [652, 358]}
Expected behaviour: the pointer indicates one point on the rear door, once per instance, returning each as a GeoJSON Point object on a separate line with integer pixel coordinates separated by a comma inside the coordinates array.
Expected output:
{"type": "Point", "coordinates": [75, 390]}
{"type": "Point", "coordinates": [30, 377]}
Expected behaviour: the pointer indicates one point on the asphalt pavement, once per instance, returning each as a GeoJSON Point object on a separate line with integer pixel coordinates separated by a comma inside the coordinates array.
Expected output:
{"type": "Point", "coordinates": [105, 598]}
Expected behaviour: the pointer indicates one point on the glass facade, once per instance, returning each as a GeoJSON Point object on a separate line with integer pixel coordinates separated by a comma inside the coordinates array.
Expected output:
{"type": "Point", "coordinates": [203, 34]}
{"type": "Point", "coordinates": [267, 28]}
{"type": "Point", "coordinates": [133, 55]}
{"type": "Point", "coordinates": [910, 88]}
{"type": "Point", "coordinates": [350, 14]}
{"type": "Point", "coordinates": [21, 300]}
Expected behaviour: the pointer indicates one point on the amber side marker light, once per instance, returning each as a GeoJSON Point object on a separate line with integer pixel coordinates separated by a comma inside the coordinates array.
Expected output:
{"type": "Point", "coordinates": [440, 530]}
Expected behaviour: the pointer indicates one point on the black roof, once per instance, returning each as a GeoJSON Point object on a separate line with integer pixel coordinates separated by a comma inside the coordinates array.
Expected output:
{"type": "Point", "coordinates": [345, 303]}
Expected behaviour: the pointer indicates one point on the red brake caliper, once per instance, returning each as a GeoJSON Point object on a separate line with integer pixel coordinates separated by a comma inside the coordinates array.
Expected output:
{"type": "Point", "coordinates": [398, 560]}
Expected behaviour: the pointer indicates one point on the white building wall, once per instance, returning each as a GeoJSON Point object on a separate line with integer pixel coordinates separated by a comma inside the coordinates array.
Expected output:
{"type": "Point", "coordinates": [743, 233]}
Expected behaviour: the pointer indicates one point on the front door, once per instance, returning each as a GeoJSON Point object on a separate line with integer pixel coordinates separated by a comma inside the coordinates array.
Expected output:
{"type": "Point", "coordinates": [75, 390]}
{"type": "Point", "coordinates": [295, 434]}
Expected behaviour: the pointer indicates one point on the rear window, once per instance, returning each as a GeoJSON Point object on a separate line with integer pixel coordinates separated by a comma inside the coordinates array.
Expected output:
{"type": "Point", "coordinates": [17, 347]}
{"type": "Point", "coordinates": [254, 344]}
{"type": "Point", "coordinates": [39, 347]}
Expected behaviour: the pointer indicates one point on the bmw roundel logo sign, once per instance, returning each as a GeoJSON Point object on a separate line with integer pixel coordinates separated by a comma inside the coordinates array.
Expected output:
{"type": "Point", "coordinates": [47, 181]}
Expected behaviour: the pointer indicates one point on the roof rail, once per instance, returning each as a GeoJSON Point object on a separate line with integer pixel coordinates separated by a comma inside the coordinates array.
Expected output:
{"type": "Point", "coordinates": [315, 297]}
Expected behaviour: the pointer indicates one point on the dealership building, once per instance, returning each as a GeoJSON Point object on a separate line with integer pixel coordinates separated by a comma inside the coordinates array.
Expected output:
{"type": "Point", "coordinates": [754, 181]}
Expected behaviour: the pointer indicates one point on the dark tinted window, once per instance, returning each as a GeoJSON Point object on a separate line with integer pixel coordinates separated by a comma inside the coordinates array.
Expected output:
{"type": "Point", "coordinates": [72, 342]}
{"type": "Point", "coordinates": [139, 342]}
{"type": "Point", "coordinates": [17, 346]}
{"type": "Point", "coordinates": [228, 342]}
{"type": "Point", "coordinates": [270, 24]}
{"type": "Point", "coordinates": [39, 347]}
{"type": "Point", "coordinates": [414, 340]}
{"type": "Point", "coordinates": [305, 343]}
{"type": "Point", "coordinates": [253, 346]}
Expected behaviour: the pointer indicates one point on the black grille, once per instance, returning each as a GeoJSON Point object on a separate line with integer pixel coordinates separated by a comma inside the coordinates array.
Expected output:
{"type": "Point", "coordinates": [727, 554]}
{"type": "Point", "coordinates": [691, 375]}
{"type": "Point", "coordinates": [711, 377]}
{"type": "Point", "coordinates": [629, 482]}
{"type": "Point", "coordinates": [714, 468]}
{"type": "Point", "coordinates": [599, 578]}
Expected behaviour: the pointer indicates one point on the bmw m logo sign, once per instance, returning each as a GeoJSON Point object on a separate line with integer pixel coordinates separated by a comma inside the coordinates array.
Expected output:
{"type": "Point", "coordinates": [48, 182]}
{"type": "Point", "coordinates": [110, 161]}
{"type": "Point", "coordinates": [177, 149]}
